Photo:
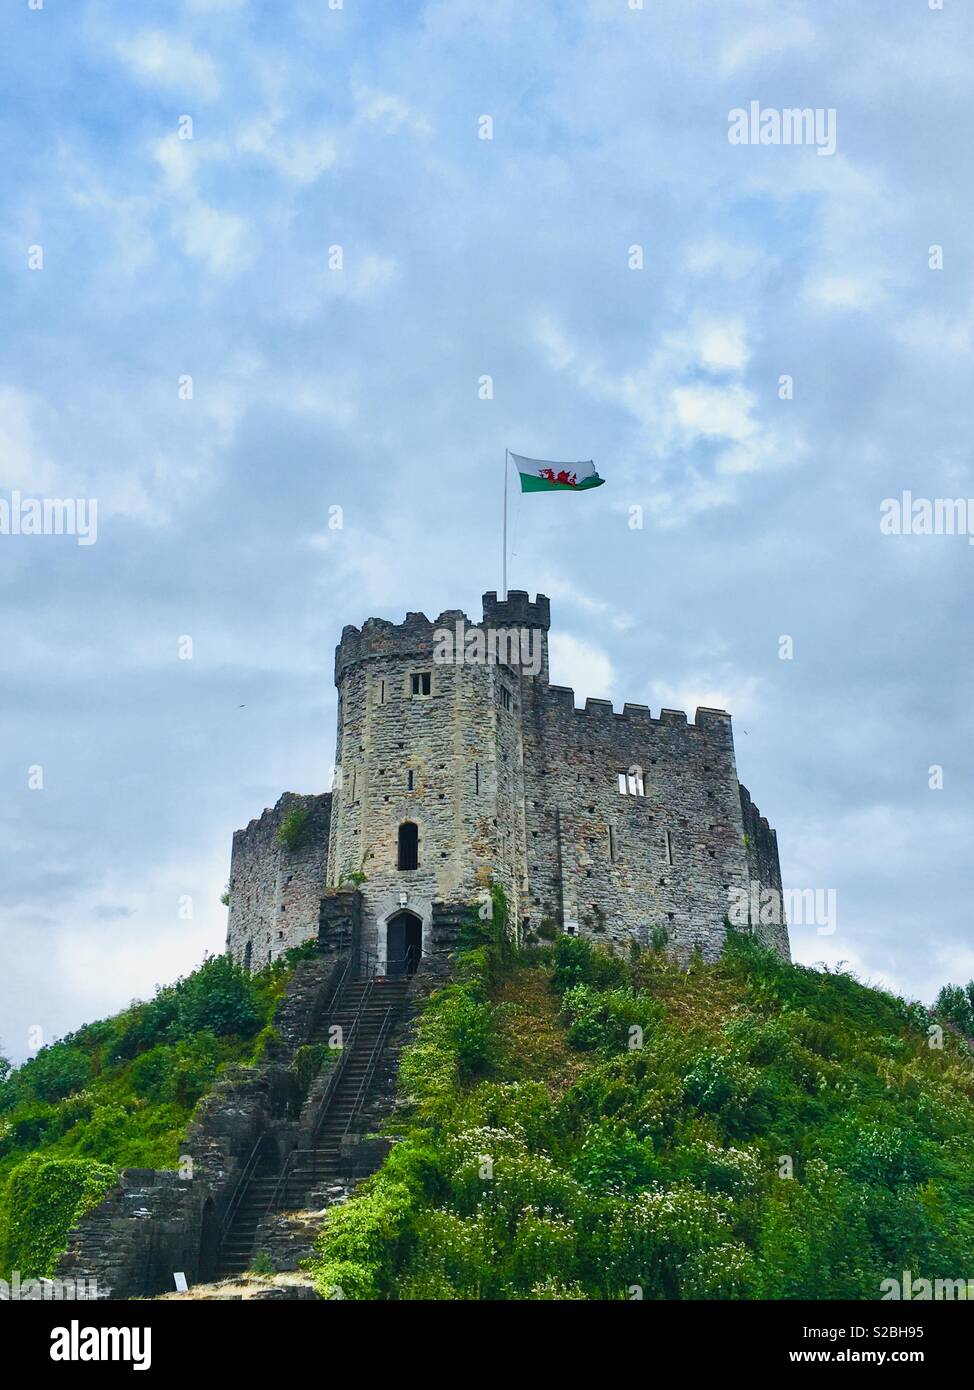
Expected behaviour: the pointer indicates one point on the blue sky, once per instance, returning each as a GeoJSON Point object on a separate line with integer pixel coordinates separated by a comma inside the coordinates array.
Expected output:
{"type": "Point", "coordinates": [312, 388]}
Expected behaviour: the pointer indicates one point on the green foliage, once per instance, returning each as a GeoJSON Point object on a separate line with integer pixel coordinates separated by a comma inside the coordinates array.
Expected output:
{"type": "Point", "coordinates": [309, 1061]}
{"type": "Point", "coordinates": [261, 1263]}
{"type": "Point", "coordinates": [121, 1092]}
{"type": "Point", "coordinates": [779, 1133]}
{"type": "Point", "coordinates": [42, 1199]}
{"type": "Point", "coordinates": [956, 1005]}
{"type": "Point", "coordinates": [293, 828]}
{"type": "Point", "coordinates": [220, 997]}
{"type": "Point", "coordinates": [608, 1018]}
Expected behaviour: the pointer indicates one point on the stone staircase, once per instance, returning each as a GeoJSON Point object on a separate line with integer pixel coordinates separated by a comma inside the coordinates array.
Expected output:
{"type": "Point", "coordinates": [366, 1012]}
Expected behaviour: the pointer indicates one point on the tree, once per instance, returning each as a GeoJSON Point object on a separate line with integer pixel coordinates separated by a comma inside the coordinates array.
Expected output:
{"type": "Point", "coordinates": [955, 1003]}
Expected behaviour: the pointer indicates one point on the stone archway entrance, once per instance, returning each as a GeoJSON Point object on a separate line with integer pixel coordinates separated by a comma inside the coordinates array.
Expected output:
{"type": "Point", "coordinates": [404, 943]}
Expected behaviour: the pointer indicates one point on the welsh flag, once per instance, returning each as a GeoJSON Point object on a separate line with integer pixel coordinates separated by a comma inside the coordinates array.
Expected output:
{"type": "Point", "coordinates": [541, 475]}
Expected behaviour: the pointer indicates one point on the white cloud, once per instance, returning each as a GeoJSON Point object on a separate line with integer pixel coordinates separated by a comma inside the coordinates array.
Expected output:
{"type": "Point", "coordinates": [302, 158]}
{"type": "Point", "coordinates": [581, 665]}
{"type": "Point", "coordinates": [722, 345]}
{"type": "Point", "coordinates": [731, 260]}
{"type": "Point", "coordinates": [218, 239]}
{"type": "Point", "coordinates": [25, 465]}
{"type": "Point", "coordinates": [848, 291]}
{"type": "Point", "coordinates": [172, 63]}
{"type": "Point", "coordinates": [769, 39]}
{"type": "Point", "coordinates": [362, 274]}
{"type": "Point", "coordinates": [715, 412]}
{"type": "Point", "coordinates": [388, 111]}
{"type": "Point", "coordinates": [739, 695]}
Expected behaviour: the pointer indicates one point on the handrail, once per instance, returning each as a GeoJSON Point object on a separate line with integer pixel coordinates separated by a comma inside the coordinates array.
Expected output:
{"type": "Point", "coordinates": [378, 1047]}
{"type": "Point", "coordinates": [351, 1035]}
{"type": "Point", "coordinates": [237, 1197]}
{"type": "Point", "coordinates": [280, 1187]}
{"type": "Point", "coordinates": [369, 1072]}
{"type": "Point", "coordinates": [339, 987]}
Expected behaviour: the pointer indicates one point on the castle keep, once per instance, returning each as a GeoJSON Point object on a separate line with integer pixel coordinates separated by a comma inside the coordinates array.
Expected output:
{"type": "Point", "coordinates": [457, 763]}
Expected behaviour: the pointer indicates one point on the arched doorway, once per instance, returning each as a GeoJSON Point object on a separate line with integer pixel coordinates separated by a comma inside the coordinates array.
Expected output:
{"type": "Point", "coordinates": [404, 943]}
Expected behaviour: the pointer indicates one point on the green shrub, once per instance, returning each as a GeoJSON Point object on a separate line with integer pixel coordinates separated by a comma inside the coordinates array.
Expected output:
{"type": "Point", "coordinates": [606, 1018]}
{"type": "Point", "coordinates": [293, 828]}
{"type": "Point", "coordinates": [50, 1075]}
{"type": "Point", "coordinates": [43, 1199]}
{"type": "Point", "coordinates": [613, 1160]}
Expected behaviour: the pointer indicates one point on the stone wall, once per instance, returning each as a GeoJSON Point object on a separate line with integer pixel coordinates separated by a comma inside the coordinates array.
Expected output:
{"type": "Point", "coordinates": [664, 852]}
{"type": "Point", "coordinates": [764, 870]}
{"type": "Point", "coordinates": [155, 1223]}
{"type": "Point", "coordinates": [275, 891]}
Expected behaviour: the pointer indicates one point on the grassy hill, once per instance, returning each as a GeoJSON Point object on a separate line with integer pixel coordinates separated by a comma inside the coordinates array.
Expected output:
{"type": "Point", "coordinates": [581, 1125]}
{"type": "Point", "coordinates": [119, 1093]}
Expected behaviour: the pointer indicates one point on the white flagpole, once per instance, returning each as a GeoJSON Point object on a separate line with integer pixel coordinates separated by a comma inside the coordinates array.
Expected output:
{"type": "Point", "coordinates": [504, 571]}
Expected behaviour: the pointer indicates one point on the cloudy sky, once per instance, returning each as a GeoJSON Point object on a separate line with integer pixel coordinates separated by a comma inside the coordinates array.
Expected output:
{"type": "Point", "coordinates": [134, 259]}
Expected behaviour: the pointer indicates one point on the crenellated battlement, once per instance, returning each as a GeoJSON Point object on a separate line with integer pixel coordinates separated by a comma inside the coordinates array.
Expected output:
{"type": "Point", "coordinates": [378, 637]}
{"type": "Point", "coordinates": [517, 610]}
{"type": "Point", "coordinates": [562, 697]}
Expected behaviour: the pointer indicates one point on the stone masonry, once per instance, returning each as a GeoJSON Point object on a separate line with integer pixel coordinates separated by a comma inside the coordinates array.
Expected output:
{"type": "Point", "coordinates": [600, 823]}
{"type": "Point", "coordinates": [275, 891]}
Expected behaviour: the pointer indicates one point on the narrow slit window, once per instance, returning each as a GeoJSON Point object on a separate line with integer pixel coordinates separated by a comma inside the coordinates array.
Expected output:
{"type": "Point", "coordinates": [476, 778]}
{"type": "Point", "coordinates": [612, 845]}
{"type": "Point", "coordinates": [669, 847]}
{"type": "Point", "coordinates": [421, 682]}
{"type": "Point", "coordinates": [409, 780]}
{"type": "Point", "coordinates": [408, 857]}
{"type": "Point", "coordinates": [505, 697]}
{"type": "Point", "coordinates": [382, 692]}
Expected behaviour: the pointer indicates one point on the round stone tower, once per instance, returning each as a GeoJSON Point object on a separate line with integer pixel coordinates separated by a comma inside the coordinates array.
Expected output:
{"type": "Point", "coordinates": [428, 801]}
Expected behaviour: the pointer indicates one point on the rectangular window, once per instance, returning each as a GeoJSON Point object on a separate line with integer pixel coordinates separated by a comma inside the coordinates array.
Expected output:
{"type": "Point", "coordinates": [421, 682]}
{"type": "Point", "coordinates": [631, 782]}
{"type": "Point", "coordinates": [505, 697]}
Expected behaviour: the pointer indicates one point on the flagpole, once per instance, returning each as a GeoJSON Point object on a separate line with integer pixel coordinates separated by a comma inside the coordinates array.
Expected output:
{"type": "Point", "coordinates": [504, 569]}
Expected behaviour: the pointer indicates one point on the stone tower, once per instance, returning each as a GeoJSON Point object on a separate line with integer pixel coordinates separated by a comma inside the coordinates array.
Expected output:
{"type": "Point", "coordinates": [457, 763]}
